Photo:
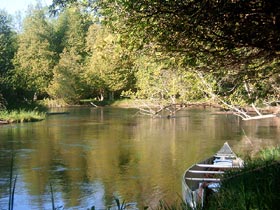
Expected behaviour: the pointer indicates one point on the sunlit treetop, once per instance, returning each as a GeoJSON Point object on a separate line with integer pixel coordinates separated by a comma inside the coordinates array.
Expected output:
{"type": "Point", "coordinates": [181, 24]}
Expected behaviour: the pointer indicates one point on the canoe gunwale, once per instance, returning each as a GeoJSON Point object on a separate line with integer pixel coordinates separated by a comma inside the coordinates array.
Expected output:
{"type": "Point", "coordinates": [195, 175]}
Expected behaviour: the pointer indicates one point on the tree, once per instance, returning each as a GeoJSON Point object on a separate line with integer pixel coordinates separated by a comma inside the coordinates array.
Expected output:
{"type": "Point", "coordinates": [163, 85]}
{"type": "Point", "coordinates": [34, 60]}
{"type": "Point", "coordinates": [236, 38]}
{"type": "Point", "coordinates": [7, 51]}
{"type": "Point", "coordinates": [231, 37]}
{"type": "Point", "coordinates": [211, 25]}
{"type": "Point", "coordinates": [68, 83]}
{"type": "Point", "coordinates": [110, 66]}
{"type": "Point", "coordinates": [183, 24]}
{"type": "Point", "coordinates": [7, 43]}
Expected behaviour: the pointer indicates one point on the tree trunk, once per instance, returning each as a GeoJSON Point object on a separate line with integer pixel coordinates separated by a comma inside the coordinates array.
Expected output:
{"type": "Point", "coordinates": [111, 96]}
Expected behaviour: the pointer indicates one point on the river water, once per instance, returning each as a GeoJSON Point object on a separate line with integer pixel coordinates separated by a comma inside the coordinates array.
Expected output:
{"type": "Point", "coordinates": [92, 155]}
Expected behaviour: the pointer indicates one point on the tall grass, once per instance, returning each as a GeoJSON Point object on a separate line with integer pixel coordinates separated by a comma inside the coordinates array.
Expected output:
{"type": "Point", "coordinates": [17, 116]}
{"type": "Point", "coordinates": [52, 197]}
{"type": "Point", "coordinates": [256, 187]}
{"type": "Point", "coordinates": [177, 205]}
{"type": "Point", "coordinates": [270, 154]}
{"type": "Point", "coordinates": [12, 185]}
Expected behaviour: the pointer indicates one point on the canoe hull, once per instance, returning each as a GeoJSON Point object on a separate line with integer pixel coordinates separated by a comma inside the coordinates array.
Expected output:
{"type": "Point", "coordinates": [205, 173]}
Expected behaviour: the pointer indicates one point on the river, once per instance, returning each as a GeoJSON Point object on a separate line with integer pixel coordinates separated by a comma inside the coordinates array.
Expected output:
{"type": "Point", "coordinates": [92, 155]}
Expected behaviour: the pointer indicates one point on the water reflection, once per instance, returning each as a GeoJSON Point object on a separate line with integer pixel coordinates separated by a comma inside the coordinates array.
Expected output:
{"type": "Point", "coordinates": [92, 155]}
{"type": "Point", "coordinates": [259, 134]}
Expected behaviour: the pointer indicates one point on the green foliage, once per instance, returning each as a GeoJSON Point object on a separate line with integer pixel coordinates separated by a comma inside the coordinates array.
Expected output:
{"type": "Point", "coordinates": [213, 37]}
{"type": "Point", "coordinates": [163, 79]}
{"type": "Point", "coordinates": [145, 49]}
{"type": "Point", "coordinates": [198, 25]}
{"type": "Point", "coordinates": [254, 187]}
{"type": "Point", "coordinates": [109, 67]}
{"type": "Point", "coordinates": [34, 60]}
{"type": "Point", "coordinates": [7, 43]}
{"type": "Point", "coordinates": [7, 51]}
{"type": "Point", "coordinates": [67, 80]}
{"type": "Point", "coordinates": [270, 154]}
{"type": "Point", "coordinates": [72, 29]}
{"type": "Point", "coordinates": [253, 79]}
{"type": "Point", "coordinates": [47, 102]}
{"type": "Point", "coordinates": [21, 116]}
{"type": "Point", "coordinates": [2, 102]}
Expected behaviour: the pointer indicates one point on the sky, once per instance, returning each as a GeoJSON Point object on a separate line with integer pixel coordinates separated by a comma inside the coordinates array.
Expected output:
{"type": "Point", "coordinates": [12, 6]}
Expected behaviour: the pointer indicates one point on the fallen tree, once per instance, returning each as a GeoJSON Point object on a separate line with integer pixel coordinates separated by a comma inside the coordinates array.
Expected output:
{"type": "Point", "coordinates": [240, 112]}
{"type": "Point", "coordinates": [156, 109]}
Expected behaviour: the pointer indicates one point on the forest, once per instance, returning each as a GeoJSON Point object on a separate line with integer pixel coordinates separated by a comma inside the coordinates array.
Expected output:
{"type": "Point", "coordinates": [165, 52]}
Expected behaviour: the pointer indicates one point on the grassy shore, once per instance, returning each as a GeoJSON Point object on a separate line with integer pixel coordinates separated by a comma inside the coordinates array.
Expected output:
{"type": "Point", "coordinates": [254, 187]}
{"type": "Point", "coordinates": [18, 116]}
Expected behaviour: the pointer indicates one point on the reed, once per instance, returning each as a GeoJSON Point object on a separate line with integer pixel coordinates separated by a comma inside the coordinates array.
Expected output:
{"type": "Point", "coordinates": [52, 197]}
{"type": "Point", "coordinates": [12, 185]}
{"type": "Point", "coordinates": [120, 206]}
{"type": "Point", "coordinates": [177, 205]}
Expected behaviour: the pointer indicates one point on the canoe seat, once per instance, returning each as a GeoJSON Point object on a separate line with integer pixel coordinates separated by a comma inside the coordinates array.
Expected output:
{"type": "Point", "coordinates": [203, 179]}
{"type": "Point", "coordinates": [215, 166]}
{"type": "Point", "coordinates": [206, 172]}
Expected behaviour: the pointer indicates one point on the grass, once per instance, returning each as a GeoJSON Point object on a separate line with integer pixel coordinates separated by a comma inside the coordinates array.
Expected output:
{"type": "Point", "coordinates": [18, 116]}
{"type": "Point", "coordinates": [254, 187]}
{"type": "Point", "coordinates": [270, 154]}
{"type": "Point", "coordinates": [177, 205]}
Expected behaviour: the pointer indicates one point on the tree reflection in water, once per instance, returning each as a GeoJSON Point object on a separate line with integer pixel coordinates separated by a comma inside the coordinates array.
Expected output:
{"type": "Point", "coordinates": [92, 155]}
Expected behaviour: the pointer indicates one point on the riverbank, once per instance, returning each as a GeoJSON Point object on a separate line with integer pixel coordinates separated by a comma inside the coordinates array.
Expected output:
{"type": "Point", "coordinates": [7, 117]}
{"type": "Point", "coordinates": [132, 103]}
{"type": "Point", "coordinates": [19, 116]}
{"type": "Point", "coordinates": [122, 103]}
{"type": "Point", "coordinates": [254, 187]}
